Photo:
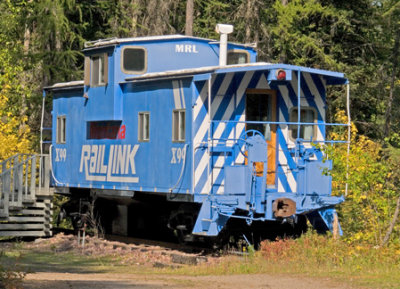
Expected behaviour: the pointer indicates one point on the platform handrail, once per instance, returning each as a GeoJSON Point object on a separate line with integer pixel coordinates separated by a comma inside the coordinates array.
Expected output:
{"type": "Point", "coordinates": [21, 178]}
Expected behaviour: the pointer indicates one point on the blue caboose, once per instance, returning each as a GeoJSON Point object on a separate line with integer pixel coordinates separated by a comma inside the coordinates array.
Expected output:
{"type": "Point", "coordinates": [197, 123]}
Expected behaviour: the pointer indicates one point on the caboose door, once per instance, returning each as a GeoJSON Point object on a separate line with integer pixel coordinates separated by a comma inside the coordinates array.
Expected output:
{"type": "Point", "coordinates": [261, 106]}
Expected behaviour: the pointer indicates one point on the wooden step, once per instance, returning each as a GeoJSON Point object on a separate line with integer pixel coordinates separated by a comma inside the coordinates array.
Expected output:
{"type": "Point", "coordinates": [33, 212]}
{"type": "Point", "coordinates": [15, 208]}
{"type": "Point", "coordinates": [24, 219]}
{"type": "Point", "coordinates": [28, 201]}
{"type": "Point", "coordinates": [14, 227]}
{"type": "Point", "coordinates": [25, 234]}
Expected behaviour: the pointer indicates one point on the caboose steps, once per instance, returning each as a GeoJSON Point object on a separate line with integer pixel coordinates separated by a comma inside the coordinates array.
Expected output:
{"type": "Point", "coordinates": [25, 197]}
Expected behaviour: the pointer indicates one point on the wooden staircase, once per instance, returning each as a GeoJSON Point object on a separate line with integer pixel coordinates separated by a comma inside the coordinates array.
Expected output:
{"type": "Point", "coordinates": [25, 196]}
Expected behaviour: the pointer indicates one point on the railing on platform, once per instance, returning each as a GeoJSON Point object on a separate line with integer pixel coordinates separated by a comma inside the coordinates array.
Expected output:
{"type": "Point", "coordinates": [225, 137]}
{"type": "Point", "coordinates": [22, 177]}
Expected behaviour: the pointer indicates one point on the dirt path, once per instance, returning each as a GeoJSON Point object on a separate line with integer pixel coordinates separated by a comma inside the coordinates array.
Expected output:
{"type": "Point", "coordinates": [108, 281]}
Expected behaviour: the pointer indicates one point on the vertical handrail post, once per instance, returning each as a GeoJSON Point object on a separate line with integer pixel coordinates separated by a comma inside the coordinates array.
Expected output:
{"type": "Point", "coordinates": [46, 172]}
{"type": "Point", "coordinates": [26, 174]}
{"type": "Point", "coordinates": [14, 181]}
{"type": "Point", "coordinates": [40, 172]}
{"type": "Point", "coordinates": [6, 191]}
{"type": "Point", "coordinates": [33, 178]}
{"type": "Point", "coordinates": [20, 171]}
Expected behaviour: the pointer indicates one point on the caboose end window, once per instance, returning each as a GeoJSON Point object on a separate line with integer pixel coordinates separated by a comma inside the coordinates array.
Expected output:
{"type": "Point", "coordinates": [133, 60]}
{"type": "Point", "coordinates": [144, 126]}
{"type": "Point", "coordinates": [238, 57]}
{"type": "Point", "coordinates": [307, 131]}
{"type": "Point", "coordinates": [178, 125]}
{"type": "Point", "coordinates": [61, 129]}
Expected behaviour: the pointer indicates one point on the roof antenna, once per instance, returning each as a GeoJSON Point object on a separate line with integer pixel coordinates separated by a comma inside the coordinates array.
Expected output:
{"type": "Point", "coordinates": [223, 30]}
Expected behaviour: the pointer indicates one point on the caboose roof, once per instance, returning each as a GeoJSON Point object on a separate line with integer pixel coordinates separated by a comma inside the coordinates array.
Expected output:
{"type": "Point", "coordinates": [178, 37]}
{"type": "Point", "coordinates": [331, 77]}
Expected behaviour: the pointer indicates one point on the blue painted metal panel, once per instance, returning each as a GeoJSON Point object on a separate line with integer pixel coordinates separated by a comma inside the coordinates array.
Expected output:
{"type": "Point", "coordinates": [237, 180]}
{"type": "Point", "coordinates": [127, 163]}
{"type": "Point", "coordinates": [314, 178]}
{"type": "Point", "coordinates": [190, 53]}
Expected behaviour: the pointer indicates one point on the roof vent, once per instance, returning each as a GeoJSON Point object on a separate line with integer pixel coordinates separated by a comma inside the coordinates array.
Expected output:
{"type": "Point", "coordinates": [223, 30]}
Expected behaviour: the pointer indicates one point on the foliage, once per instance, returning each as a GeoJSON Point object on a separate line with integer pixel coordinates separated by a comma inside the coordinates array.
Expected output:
{"type": "Point", "coordinates": [302, 32]}
{"type": "Point", "coordinates": [328, 252]}
{"type": "Point", "coordinates": [14, 131]}
{"type": "Point", "coordinates": [373, 179]}
{"type": "Point", "coordinates": [53, 38]}
{"type": "Point", "coordinates": [65, 223]}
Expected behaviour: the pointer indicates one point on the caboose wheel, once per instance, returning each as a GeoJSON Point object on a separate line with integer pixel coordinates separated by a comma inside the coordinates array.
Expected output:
{"type": "Point", "coordinates": [181, 221]}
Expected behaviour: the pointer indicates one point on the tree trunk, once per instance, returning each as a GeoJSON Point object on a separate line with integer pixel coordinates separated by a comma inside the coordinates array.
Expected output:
{"type": "Point", "coordinates": [189, 17]}
{"type": "Point", "coordinates": [395, 61]}
{"type": "Point", "coordinates": [392, 224]}
{"type": "Point", "coordinates": [27, 39]}
{"type": "Point", "coordinates": [248, 20]}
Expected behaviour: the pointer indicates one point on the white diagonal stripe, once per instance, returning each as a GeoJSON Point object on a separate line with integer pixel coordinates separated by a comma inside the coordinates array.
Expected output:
{"type": "Point", "coordinates": [262, 83]}
{"type": "Point", "coordinates": [318, 101]}
{"type": "Point", "coordinates": [280, 186]}
{"type": "Point", "coordinates": [294, 85]}
{"type": "Point", "coordinates": [216, 102]}
{"type": "Point", "coordinates": [315, 92]}
{"type": "Point", "coordinates": [202, 97]}
{"type": "Point", "coordinates": [285, 95]}
{"type": "Point", "coordinates": [281, 155]}
{"type": "Point", "coordinates": [290, 178]}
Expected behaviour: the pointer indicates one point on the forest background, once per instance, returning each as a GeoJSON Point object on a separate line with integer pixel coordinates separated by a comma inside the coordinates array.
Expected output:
{"type": "Point", "coordinates": [41, 42]}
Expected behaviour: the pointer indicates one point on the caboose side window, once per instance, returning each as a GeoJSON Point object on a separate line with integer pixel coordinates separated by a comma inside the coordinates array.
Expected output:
{"type": "Point", "coordinates": [61, 129]}
{"type": "Point", "coordinates": [307, 115]}
{"type": "Point", "coordinates": [103, 129]}
{"type": "Point", "coordinates": [96, 69]}
{"type": "Point", "coordinates": [133, 60]}
{"type": "Point", "coordinates": [144, 126]}
{"type": "Point", "coordinates": [178, 125]}
{"type": "Point", "coordinates": [238, 57]}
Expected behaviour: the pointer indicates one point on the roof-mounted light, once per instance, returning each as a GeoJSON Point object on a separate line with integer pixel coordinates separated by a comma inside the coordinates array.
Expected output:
{"type": "Point", "coordinates": [280, 74]}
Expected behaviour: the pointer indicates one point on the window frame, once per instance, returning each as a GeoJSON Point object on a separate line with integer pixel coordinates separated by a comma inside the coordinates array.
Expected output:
{"type": "Point", "coordinates": [141, 126]}
{"type": "Point", "coordinates": [133, 71]}
{"type": "Point", "coordinates": [89, 70]}
{"type": "Point", "coordinates": [291, 126]}
{"type": "Point", "coordinates": [178, 138]}
{"type": "Point", "coordinates": [238, 51]}
{"type": "Point", "coordinates": [61, 129]}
